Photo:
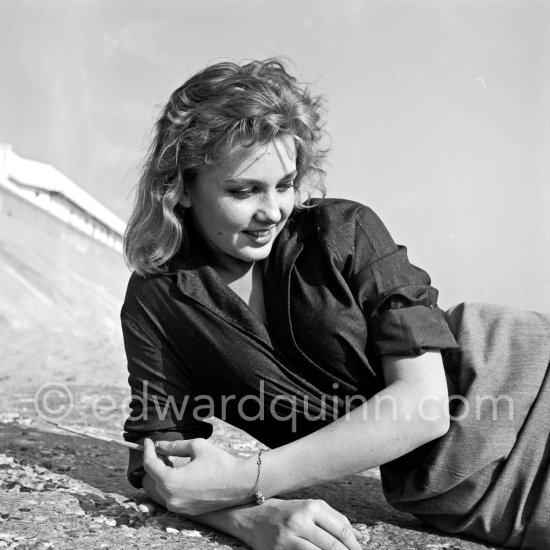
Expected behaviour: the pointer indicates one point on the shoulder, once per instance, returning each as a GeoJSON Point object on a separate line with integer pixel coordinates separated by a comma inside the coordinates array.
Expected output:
{"type": "Point", "coordinates": [333, 214]}
{"type": "Point", "coordinates": [143, 292]}
{"type": "Point", "coordinates": [338, 220]}
{"type": "Point", "coordinates": [347, 229]}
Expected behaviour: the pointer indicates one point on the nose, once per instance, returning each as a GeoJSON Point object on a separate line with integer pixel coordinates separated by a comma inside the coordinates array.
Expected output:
{"type": "Point", "coordinates": [269, 209]}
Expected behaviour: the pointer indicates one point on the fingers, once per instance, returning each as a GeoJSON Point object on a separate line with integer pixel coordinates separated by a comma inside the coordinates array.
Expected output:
{"type": "Point", "coordinates": [334, 525]}
{"type": "Point", "coordinates": [303, 544]}
{"type": "Point", "coordinates": [327, 541]}
{"type": "Point", "coordinates": [153, 465]}
{"type": "Point", "coordinates": [184, 447]}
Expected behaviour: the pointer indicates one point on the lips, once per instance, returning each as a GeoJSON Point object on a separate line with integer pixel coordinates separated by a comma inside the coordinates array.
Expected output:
{"type": "Point", "coordinates": [259, 232]}
{"type": "Point", "coordinates": [259, 236]}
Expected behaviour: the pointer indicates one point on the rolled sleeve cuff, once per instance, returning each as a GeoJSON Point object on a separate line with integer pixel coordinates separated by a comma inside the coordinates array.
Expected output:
{"type": "Point", "coordinates": [410, 331]}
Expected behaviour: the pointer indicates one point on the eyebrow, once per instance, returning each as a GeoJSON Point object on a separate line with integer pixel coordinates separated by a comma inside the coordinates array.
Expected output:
{"type": "Point", "coordinates": [249, 181]}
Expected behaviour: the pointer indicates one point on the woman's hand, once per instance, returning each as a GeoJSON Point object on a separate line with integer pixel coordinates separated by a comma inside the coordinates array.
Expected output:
{"type": "Point", "coordinates": [213, 479]}
{"type": "Point", "coordinates": [298, 525]}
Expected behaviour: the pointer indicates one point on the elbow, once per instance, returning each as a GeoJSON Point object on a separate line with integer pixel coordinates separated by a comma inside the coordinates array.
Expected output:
{"type": "Point", "coordinates": [433, 421]}
{"type": "Point", "coordinates": [432, 410]}
{"type": "Point", "coordinates": [420, 429]}
{"type": "Point", "coordinates": [435, 427]}
{"type": "Point", "coordinates": [439, 427]}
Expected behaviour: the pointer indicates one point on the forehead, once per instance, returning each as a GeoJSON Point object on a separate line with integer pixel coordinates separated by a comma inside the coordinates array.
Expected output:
{"type": "Point", "coordinates": [276, 157]}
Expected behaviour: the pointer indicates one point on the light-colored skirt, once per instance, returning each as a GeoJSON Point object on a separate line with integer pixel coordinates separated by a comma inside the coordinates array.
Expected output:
{"type": "Point", "coordinates": [489, 476]}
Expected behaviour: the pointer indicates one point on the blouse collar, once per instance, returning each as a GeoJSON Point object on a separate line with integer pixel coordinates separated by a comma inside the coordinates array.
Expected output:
{"type": "Point", "coordinates": [201, 282]}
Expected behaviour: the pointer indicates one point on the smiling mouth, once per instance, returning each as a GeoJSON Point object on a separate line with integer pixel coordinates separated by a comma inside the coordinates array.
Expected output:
{"type": "Point", "coordinates": [260, 237]}
{"type": "Point", "coordinates": [259, 233]}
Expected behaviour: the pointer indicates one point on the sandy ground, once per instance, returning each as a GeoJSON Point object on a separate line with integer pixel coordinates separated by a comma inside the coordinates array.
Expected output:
{"type": "Point", "coordinates": [62, 356]}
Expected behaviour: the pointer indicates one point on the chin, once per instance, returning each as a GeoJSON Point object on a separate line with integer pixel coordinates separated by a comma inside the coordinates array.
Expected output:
{"type": "Point", "coordinates": [256, 255]}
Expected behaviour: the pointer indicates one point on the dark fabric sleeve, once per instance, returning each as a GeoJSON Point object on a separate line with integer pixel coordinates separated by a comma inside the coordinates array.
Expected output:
{"type": "Point", "coordinates": [161, 404]}
{"type": "Point", "coordinates": [397, 298]}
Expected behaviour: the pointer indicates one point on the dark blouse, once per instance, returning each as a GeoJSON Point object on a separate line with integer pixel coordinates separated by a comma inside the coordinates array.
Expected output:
{"type": "Point", "coordinates": [338, 293]}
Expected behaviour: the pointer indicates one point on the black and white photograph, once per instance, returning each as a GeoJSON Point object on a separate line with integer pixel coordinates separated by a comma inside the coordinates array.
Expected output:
{"type": "Point", "coordinates": [275, 274]}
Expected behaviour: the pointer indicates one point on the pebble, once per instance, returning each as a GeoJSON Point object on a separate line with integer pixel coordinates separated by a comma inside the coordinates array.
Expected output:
{"type": "Point", "coordinates": [5, 418]}
{"type": "Point", "coordinates": [191, 533]}
{"type": "Point", "coordinates": [110, 522]}
{"type": "Point", "coordinates": [40, 519]}
{"type": "Point", "coordinates": [147, 508]}
{"type": "Point", "coordinates": [100, 519]}
{"type": "Point", "coordinates": [365, 532]}
{"type": "Point", "coordinates": [172, 531]}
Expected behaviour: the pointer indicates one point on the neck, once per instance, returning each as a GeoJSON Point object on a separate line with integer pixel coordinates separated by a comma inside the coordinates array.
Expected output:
{"type": "Point", "coordinates": [232, 271]}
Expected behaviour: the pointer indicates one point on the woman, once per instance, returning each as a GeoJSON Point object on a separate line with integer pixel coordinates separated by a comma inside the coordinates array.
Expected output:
{"type": "Point", "coordinates": [306, 326]}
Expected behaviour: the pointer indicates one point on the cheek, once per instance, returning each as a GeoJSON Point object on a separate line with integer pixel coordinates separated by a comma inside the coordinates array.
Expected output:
{"type": "Point", "coordinates": [235, 215]}
{"type": "Point", "coordinates": [290, 204]}
{"type": "Point", "coordinates": [226, 219]}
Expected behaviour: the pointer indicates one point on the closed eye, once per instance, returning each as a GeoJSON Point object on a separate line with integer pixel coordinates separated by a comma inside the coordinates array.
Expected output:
{"type": "Point", "coordinates": [286, 186]}
{"type": "Point", "coordinates": [242, 193]}
{"type": "Point", "coordinates": [247, 187]}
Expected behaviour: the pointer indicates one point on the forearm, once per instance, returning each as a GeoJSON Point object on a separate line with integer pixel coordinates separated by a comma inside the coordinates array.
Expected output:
{"type": "Point", "coordinates": [232, 521]}
{"type": "Point", "coordinates": [410, 411]}
{"type": "Point", "coordinates": [395, 421]}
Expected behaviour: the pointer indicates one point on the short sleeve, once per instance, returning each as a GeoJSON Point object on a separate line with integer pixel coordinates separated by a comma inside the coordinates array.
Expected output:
{"type": "Point", "coordinates": [396, 297]}
{"type": "Point", "coordinates": [160, 406]}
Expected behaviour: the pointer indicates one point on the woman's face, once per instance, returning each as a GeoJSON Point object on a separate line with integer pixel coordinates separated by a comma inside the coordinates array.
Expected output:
{"type": "Point", "coordinates": [240, 205]}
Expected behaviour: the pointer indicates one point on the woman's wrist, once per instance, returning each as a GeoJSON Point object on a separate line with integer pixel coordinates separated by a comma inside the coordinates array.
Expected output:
{"type": "Point", "coordinates": [249, 475]}
{"type": "Point", "coordinates": [239, 522]}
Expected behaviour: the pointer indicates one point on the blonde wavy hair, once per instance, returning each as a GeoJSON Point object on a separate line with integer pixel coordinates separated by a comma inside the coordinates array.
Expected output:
{"type": "Point", "coordinates": [220, 106]}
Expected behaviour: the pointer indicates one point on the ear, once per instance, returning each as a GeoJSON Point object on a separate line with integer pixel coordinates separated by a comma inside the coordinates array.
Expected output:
{"type": "Point", "coordinates": [185, 199]}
